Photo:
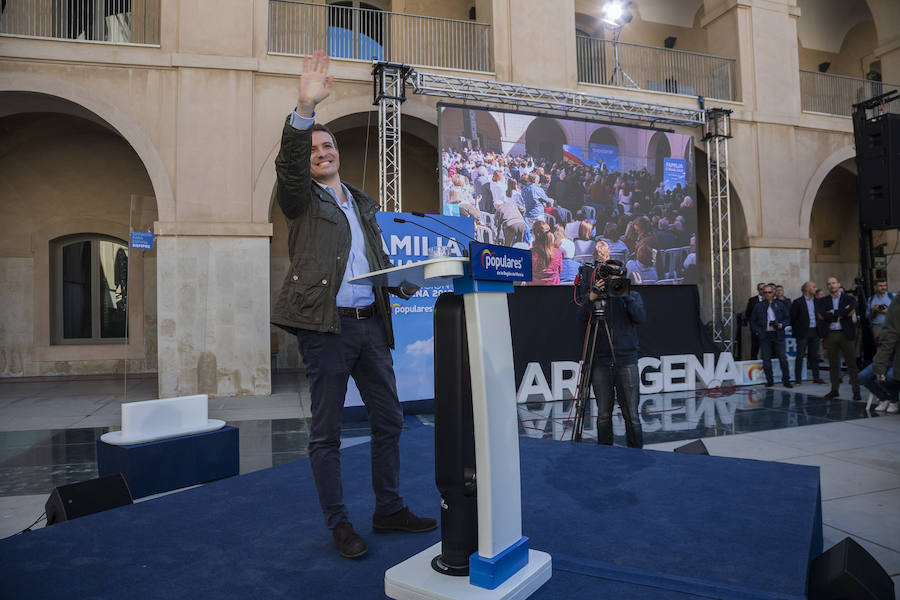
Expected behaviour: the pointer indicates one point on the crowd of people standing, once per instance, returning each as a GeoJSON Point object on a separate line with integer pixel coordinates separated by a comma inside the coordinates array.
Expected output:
{"type": "Point", "coordinates": [828, 318]}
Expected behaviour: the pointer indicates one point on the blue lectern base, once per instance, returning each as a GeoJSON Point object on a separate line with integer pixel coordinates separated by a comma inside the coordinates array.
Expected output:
{"type": "Point", "coordinates": [165, 465]}
{"type": "Point", "coordinates": [414, 579]}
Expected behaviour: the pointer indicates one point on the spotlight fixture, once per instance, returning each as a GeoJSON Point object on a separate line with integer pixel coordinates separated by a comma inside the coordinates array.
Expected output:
{"type": "Point", "coordinates": [718, 124]}
{"type": "Point", "coordinates": [616, 13]}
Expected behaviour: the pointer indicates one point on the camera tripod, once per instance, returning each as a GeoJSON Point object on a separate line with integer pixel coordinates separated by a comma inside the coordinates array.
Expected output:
{"type": "Point", "coordinates": [583, 392]}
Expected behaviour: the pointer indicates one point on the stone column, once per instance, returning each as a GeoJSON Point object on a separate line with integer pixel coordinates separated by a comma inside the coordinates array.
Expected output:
{"type": "Point", "coordinates": [762, 36]}
{"type": "Point", "coordinates": [213, 311]}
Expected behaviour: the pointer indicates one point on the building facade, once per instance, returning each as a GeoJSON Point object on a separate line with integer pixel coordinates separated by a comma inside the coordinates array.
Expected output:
{"type": "Point", "coordinates": [165, 116]}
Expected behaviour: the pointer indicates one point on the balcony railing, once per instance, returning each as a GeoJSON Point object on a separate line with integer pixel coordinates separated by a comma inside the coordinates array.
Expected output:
{"type": "Point", "coordinates": [836, 94]}
{"type": "Point", "coordinates": [298, 28]}
{"type": "Point", "coordinates": [116, 21]}
{"type": "Point", "coordinates": [656, 69]}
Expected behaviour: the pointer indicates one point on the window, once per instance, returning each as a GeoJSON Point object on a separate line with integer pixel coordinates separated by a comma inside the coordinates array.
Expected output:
{"type": "Point", "coordinates": [89, 289]}
{"type": "Point", "coordinates": [356, 30]}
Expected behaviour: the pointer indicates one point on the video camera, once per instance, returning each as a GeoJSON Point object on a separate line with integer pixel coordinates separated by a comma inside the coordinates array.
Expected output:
{"type": "Point", "coordinates": [612, 272]}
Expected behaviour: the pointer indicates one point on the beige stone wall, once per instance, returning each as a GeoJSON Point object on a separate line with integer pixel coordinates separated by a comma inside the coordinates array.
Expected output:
{"type": "Point", "coordinates": [196, 124]}
{"type": "Point", "coordinates": [63, 175]}
{"type": "Point", "coordinates": [854, 57]}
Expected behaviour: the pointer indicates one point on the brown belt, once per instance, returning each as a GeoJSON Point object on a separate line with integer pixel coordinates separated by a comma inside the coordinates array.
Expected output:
{"type": "Point", "coordinates": [363, 312]}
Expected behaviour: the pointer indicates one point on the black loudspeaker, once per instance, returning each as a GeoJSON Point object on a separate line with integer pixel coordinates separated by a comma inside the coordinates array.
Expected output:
{"type": "Point", "coordinates": [848, 571]}
{"type": "Point", "coordinates": [454, 438]}
{"type": "Point", "coordinates": [75, 500]}
{"type": "Point", "coordinates": [695, 447]}
{"type": "Point", "coordinates": [878, 179]}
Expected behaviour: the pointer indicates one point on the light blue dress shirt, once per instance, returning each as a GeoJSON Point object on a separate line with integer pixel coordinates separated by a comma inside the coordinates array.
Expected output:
{"type": "Point", "coordinates": [349, 294]}
{"type": "Point", "coordinates": [811, 309]}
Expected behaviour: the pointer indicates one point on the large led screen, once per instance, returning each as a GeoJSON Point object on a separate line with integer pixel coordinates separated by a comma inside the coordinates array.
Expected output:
{"type": "Point", "coordinates": [573, 191]}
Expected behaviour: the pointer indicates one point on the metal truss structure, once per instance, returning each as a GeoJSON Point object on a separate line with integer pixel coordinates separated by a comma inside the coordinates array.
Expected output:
{"type": "Point", "coordinates": [565, 101]}
{"type": "Point", "coordinates": [720, 231]}
{"type": "Point", "coordinates": [390, 93]}
{"type": "Point", "coordinates": [390, 80]}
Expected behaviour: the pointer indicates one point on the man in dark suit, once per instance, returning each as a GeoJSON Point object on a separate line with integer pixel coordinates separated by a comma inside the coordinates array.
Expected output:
{"type": "Point", "coordinates": [768, 321]}
{"type": "Point", "coordinates": [803, 326]}
{"type": "Point", "coordinates": [751, 304]}
{"type": "Point", "coordinates": [834, 317]}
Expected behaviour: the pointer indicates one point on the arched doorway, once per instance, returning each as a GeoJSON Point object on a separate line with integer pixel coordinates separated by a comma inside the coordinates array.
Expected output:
{"type": "Point", "coordinates": [71, 187]}
{"type": "Point", "coordinates": [604, 145]}
{"type": "Point", "coordinates": [657, 151]}
{"type": "Point", "coordinates": [544, 139]}
{"type": "Point", "coordinates": [834, 227]}
{"type": "Point", "coordinates": [470, 128]}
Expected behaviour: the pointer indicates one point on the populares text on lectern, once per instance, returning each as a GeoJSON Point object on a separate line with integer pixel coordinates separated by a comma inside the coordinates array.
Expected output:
{"type": "Point", "coordinates": [473, 332]}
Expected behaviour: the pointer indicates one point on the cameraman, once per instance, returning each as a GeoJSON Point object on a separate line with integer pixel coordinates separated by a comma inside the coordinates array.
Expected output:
{"type": "Point", "coordinates": [614, 374]}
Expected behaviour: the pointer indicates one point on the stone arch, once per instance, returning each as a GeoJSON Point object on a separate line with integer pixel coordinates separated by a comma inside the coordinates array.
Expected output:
{"type": "Point", "coordinates": [658, 149]}
{"type": "Point", "coordinates": [815, 182]}
{"type": "Point", "coordinates": [120, 122]}
{"type": "Point", "coordinates": [544, 138]}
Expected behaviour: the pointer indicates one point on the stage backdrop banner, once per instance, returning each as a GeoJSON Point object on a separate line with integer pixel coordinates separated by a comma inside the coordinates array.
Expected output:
{"type": "Point", "coordinates": [413, 319]}
{"type": "Point", "coordinates": [675, 348]}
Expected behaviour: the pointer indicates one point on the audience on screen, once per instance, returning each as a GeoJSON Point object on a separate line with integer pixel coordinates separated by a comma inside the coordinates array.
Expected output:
{"type": "Point", "coordinates": [579, 204]}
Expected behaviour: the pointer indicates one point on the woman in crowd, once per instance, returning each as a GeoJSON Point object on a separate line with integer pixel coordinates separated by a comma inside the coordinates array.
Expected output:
{"type": "Point", "coordinates": [546, 259]}
{"type": "Point", "coordinates": [617, 247]}
{"type": "Point", "coordinates": [461, 195]}
{"type": "Point", "coordinates": [642, 269]}
{"type": "Point", "coordinates": [498, 188]}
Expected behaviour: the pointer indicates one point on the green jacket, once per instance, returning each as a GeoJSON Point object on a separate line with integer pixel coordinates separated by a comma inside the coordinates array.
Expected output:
{"type": "Point", "coordinates": [319, 243]}
{"type": "Point", "coordinates": [887, 341]}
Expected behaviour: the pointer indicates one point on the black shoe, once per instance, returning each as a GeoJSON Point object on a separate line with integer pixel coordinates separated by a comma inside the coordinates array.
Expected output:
{"type": "Point", "coordinates": [348, 542]}
{"type": "Point", "coordinates": [788, 384]}
{"type": "Point", "coordinates": [831, 394]}
{"type": "Point", "coordinates": [819, 381]}
{"type": "Point", "coordinates": [769, 384]}
{"type": "Point", "coordinates": [402, 520]}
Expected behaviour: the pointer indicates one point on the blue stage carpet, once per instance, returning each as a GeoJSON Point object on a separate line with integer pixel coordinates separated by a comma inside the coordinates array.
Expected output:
{"type": "Point", "coordinates": [619, 523]}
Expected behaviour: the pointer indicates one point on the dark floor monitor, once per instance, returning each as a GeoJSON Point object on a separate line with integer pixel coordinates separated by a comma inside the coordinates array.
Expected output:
{"type": "Point", "coordinates": [695, 447]}
{"type": "Point", "coordinates": [75, 500]}
{"type": "Point", "coordinates": [847, 570]}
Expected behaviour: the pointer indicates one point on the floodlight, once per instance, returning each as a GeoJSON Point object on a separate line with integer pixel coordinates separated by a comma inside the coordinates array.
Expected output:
{"type": "Point", "coordinates": [612, 13]}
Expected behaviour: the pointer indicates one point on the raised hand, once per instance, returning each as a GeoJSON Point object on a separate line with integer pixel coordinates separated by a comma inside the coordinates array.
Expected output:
{"type": "Point", "coordinates": [315, 83]}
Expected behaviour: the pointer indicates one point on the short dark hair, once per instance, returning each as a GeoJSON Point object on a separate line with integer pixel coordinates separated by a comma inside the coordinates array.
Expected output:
{"type": "Point", "coordinates": [881, 280]}
{"type": "Point", "coordinates": [320, 127]}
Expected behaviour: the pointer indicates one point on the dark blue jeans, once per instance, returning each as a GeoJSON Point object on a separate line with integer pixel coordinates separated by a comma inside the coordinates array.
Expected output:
{"type": "Point", "coordinates": [889, 389]}
{"type": "Point", "coordinates": [619, 383]}
{"type": "Point", "coordinates": [360, 350]}
{"type": "Point", "coordinates": [772, 344]}
{"type": "Point", "coordinates": [808, 346]}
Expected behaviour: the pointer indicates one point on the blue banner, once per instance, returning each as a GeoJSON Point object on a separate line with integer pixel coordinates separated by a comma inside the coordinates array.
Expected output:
{"type": "Point", "coordinates": [413, 319]}
{"type": "Point", "coordinates": [674, 172]}
{"type": "Point", "coordinates": [602, 154]}
{"type": "Point", "coordinates": [142, 240]}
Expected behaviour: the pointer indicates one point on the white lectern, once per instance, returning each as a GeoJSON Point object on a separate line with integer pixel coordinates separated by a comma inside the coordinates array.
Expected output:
{"type": "Point", "coordinates": [504, 566]}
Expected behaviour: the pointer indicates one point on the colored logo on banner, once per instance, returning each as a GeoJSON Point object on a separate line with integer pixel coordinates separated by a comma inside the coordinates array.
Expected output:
{"type": "Point", "coordinates": [500, 263]}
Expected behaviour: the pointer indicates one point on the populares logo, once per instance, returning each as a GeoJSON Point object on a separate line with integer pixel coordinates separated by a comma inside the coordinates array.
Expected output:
{"type": "Point", "coordinates": [395, 307]}
{"type": "Point", "coordinates": [485, 257]}
{"type": "Point", "coordinates": [488, 260]}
